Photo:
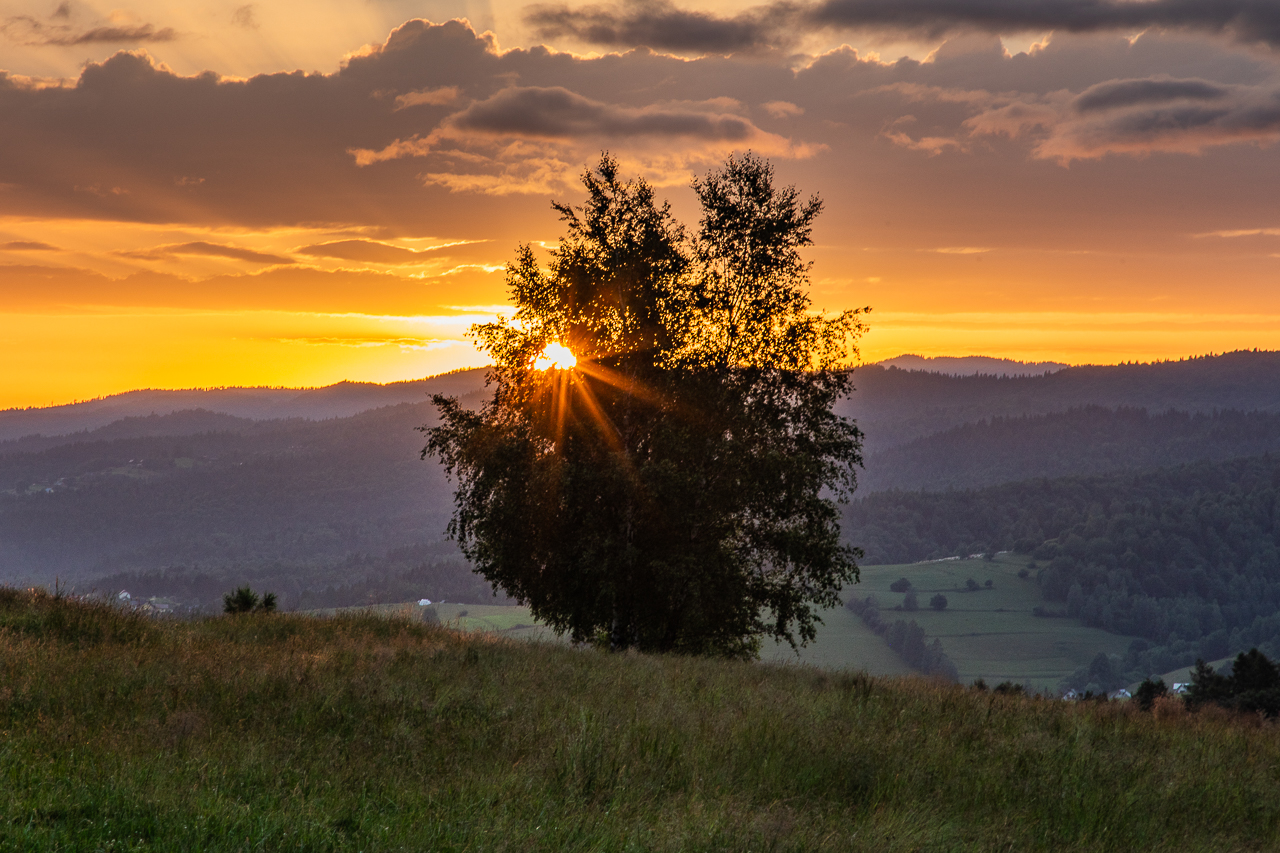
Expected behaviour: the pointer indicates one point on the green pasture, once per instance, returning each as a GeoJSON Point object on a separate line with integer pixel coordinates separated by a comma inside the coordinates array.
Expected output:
{"type": "Point", "coordinates": [990, 634]}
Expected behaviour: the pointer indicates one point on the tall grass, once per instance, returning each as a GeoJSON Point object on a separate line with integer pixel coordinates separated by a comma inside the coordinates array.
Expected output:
{"type": "Point", "coordinates": [277, 732]}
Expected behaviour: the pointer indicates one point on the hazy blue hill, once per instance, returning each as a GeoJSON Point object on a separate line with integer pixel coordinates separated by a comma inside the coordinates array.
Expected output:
{"type": "Point", "coordinates": [334, 401]}
{"type": "Point", "coordinates": [187, 422]}
{"type": "Point", "coordinates": [198, 498]}
{"type": "Point", "coordinates": [896, 406]}
{"type": "Point", "coordinates": [292, 497]}
{"type": "Point", "coordinates": [971, 365]}
{"type": "Point", "coordinates": [1086, 440]}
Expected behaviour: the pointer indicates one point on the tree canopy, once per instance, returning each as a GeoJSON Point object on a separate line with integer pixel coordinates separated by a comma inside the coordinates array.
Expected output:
{"type": "Point", "coordinates": [675, 488]}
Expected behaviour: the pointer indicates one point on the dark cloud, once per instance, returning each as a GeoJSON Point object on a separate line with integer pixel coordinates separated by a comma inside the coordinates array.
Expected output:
{"type": "Point", "coordinates": [276, 150]}
{"type": "Point", "coordinates": [368, 251]}
{"type": "Point", "coordinates": [1136, 116]}
{"type": "Point", "coordinates": [1190, 123]}
{"type": "Point", "coordinates": [30, 31]}
{"type": "Point", "coordinates": [141, 34]}
{"type": "Point", "coordinates": [27, 246]}
{"type": "Point", "coordinates": [1255, 20]}
{"type": "Point", "coordinates": [663, 26]}
{"type": "Point", "coordinates": [557, 112]}
{"type": "Point", "coordinates": [659, 24]}
{"type": "Point", "coordinates": [132, 140]}
{"type": "Point", "coordinates": [245, 16]}
{"type": "Point", "coordinates": [213, 250]}
{"type": "Point", "coordinates": [1128, 93]}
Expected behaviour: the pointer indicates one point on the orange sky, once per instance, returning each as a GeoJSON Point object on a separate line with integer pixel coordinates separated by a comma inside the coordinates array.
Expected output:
{"type": "Point", "coordinates": [181, 206]}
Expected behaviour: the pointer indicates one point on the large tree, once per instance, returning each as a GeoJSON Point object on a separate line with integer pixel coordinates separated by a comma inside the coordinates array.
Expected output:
{"type": "Point", "coordinates": [675, 489]}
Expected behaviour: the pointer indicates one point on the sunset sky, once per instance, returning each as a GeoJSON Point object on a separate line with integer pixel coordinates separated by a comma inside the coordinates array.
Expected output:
{"type": "Point", "coordinates": [295, 193]}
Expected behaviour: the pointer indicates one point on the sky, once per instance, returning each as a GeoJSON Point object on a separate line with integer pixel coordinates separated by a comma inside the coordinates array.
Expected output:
{"type": "Point", "coordinates": [212, 193]}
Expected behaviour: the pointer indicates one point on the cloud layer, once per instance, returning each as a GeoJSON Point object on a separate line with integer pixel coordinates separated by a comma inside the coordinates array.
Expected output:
{"type": "Point", "coordinates": [436, 109]}
{"type": "Point", "coordinates": [662, 25]}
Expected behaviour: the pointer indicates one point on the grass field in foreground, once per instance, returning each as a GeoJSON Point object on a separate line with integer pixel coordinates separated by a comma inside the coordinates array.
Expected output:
{"type": "Point", "coordinates": [279, 732]}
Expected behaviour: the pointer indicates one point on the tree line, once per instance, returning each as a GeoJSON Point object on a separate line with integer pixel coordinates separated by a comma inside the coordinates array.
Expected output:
{"type": "Point", "coordinates": [908, 639]}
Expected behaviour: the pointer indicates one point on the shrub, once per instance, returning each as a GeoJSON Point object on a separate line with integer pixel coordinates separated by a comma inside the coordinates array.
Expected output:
{"type": "Point", "coordinates": [900, 585]}
{"type": "Point", "coordinates": [971, 585]}
{"type": "Point", "coordinates": [245, 600]}
{"type": "Point", "coordinates": [909, 601]}
{"type": "Point", "coordinates": [938, 602]}
{"type": "Point", "coordinates": [1148, 691]}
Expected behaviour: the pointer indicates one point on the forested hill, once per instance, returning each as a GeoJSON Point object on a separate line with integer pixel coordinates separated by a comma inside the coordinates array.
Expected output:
{"type": "Point", "coordinates": [1186, 558]}
{"type": "Point", "coordinates": [294, 500]}
{"type": "Point", "coordinates": [333, 401]}
{"type": "Point", "coordinates": [892, 405]}
{"type": "Point", "coordinates": [345, 503]}
{"type": "Point", "coordinates": [1087, 440]}
{"type": "Point", "coordinates": [896, 406]}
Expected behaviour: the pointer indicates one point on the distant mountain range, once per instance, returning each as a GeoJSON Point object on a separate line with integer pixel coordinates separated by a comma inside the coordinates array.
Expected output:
{"type": "Point", "coordinates": [971, 365]}
{"type": "Point", "coordinates": [321, 492]}
{"type": "Point", "coordinates": [895, 406]}
{"type": "Point", "coordinates": [333, 401]}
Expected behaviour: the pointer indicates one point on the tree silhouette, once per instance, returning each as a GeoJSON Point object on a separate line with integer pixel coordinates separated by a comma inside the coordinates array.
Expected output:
{"type": "Point", "coordinates": [675, 489]}
{"type": "Point", "coordinates": [245, 600]}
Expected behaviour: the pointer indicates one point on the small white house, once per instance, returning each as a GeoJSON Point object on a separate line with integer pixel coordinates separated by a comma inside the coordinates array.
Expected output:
{"type": "Point", "coordinates": [424, 602]}
{"type": "Point", "coordinates": [124, 595]}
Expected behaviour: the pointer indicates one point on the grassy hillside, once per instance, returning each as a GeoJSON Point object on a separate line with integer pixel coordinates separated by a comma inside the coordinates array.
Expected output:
{"type": "Point", "coordinates": [990, 634]}
{"type": "Point", "coordinates": [278, 732]}
{"type": "Point", "coordinates": [289, 501]}
{"type": "Point", "coordinates": [333, 401]}
{"type": "Point", "coordinates": [1087, 440]}
{"type": "Point", "coordinates": [898, 406]}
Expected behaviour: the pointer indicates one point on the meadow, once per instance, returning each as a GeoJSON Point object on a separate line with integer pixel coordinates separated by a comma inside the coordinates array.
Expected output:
{"type": "Point", "coordinates": [990, 634]}
{"type": "Point", "coordinates": [362, 732]}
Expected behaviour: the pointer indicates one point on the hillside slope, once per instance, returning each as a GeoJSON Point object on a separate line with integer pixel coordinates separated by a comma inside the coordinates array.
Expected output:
{"type": "Point", "coordinates": [333, 401]}
{"type": "Point", "coordinates": [277, 732]}
{"type": "Point", "coordinates": [897, 406]}
{"type": "Point", "coordinates": [293, 500]}
{"type": "Point", "coordinates": [1077, 442]}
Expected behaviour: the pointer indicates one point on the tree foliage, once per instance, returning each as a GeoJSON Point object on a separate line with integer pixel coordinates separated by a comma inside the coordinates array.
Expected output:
{"type": "Point", "coordinates": [675, 490]}
{"type": "Point", "coordinates": [1253, 685]}
{"type": "Point", "coordinates": [245, 600]}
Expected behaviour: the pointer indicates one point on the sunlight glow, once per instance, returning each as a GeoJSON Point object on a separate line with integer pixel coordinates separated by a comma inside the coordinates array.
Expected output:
{"type": "Point", "coordinates": [555, 355]}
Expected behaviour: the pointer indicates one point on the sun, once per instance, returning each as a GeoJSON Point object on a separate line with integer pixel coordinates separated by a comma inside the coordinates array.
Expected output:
{"type": "Point", "coordinates": [555, 355]}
